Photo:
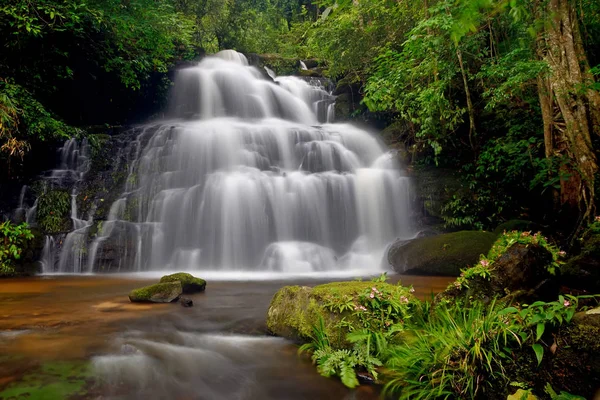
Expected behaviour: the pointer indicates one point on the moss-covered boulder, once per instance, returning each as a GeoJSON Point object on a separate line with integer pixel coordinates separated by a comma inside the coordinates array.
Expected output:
{"type": "Point", "coordinates": [443, 255]}
{"type": "Point", "coordinates": [189, 283]}
{"type": "Point", "coordinates": [571, 362]}
{"type": "Point", "coordinates": [521, 273]}
{"type": "Point", "coordinates": [295, 310]}
{"type": "Point", "coordinates": [158, 293]}
{"type": "Point", "coordinates": [582, 271]}
{"type": "Point", "coordinates": [518, 225]}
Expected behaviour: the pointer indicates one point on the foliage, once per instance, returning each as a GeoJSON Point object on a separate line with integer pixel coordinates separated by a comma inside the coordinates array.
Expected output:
{"type": "Point", "coordinates": [451, 353]}
{"type": "Point", "coordinates": [12, 240]}
{"type": "Point", "coordinates": [485, 267]}
{"type": "Point", "coordinates": [53, 211]}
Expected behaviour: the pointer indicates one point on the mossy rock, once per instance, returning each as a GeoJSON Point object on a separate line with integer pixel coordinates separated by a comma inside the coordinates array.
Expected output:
{"type": "Point", "coordinates": [53, 380]}
{"type": "Point", "coordinates": [573, 366]}
{"type": "Point", "coordinates": [582, 271]}
{"type": "Point", "coordinates": [520, 274]}
{"type": "Point", "coordinates": [189, 283]}
{"type": "Point", "coordinates": [158, 293]}
{"type": "Point", "coordinates": [518, 225]}
{"type": "Point", "coordinates": [442, 255]}
{"type": "Point", "coordinates": [295, 310]}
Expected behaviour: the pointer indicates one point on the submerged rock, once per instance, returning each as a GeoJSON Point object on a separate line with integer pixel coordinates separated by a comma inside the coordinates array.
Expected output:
{"type": "Point", "coordinates": [158, 293]}
{"type": "Point", "coordinates": [443, 254]}
{"type": "Point", "coordinates": [185, 302]}
{"type": "Point", "coordinates": [295, 310]}
{"type": "Point", "coordinates": [189, 283]}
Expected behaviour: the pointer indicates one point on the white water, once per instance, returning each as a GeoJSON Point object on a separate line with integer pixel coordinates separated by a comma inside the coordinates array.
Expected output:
{"type": "Point", "coordinates": [244, 178]}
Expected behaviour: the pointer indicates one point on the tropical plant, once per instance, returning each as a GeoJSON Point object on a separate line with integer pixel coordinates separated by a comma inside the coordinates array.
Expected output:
{"type": "Point", "coordinates": [12, 240]}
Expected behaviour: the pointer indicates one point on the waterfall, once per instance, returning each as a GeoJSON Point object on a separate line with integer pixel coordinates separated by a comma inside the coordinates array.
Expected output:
{"type": "Point", "coordinates": [248, 175]}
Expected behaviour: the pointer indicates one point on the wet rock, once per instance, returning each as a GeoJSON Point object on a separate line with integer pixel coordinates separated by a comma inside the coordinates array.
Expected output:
{"type": "Point", "coordinates": [518, 225]}
{"type": "Point", "coordinates": [442, 255]}
{"type": "Point", "coordinates": [433, 187]}
{"type": "Point", "coordinates": [582, 271]}
{"type": "Point", "coordinates": [158, 293]}
{"type": "Point", "coordinates": [185, 302]}
{"type": "Point", "coordinates": [365, 378]}
{"type": "Point", "coordinates": [295, 310]}
{"type": "Point", "coordinates": [589, 317]}
{"type": "Point", "coordinates": [189, 283]}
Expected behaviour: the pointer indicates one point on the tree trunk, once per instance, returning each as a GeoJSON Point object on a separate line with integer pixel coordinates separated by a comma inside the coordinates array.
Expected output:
{"type": "Point", "coordinates": [569, 81]}
{"type": "Point", "coordinates": [471, 111]}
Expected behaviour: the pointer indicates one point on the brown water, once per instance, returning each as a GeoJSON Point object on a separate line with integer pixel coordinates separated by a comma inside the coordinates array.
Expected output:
{"type": "Point", "coordinates": [217, 349]}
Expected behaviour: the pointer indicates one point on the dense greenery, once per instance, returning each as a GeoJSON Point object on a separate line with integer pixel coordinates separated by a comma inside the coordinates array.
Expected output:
{"type": "Point", "coordinates": [12, 240]}
{"type": "Point", "coordinates": [421, 351]}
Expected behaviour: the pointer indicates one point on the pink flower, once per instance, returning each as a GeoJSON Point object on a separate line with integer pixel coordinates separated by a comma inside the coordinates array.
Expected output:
{"type": "Point", "coordinates": [597, 219]}
{"type": "Point", "coordinates": [457, 284]}
{"type": "Point", "coordinates": [412, 290]}
{"type": "Point", "coordinates": [485, 263]}
{"type": "Point", "coordinates": [404, 299]}
{"type": "Point", "coordinates": [372, 295]}
{"type": "Point", "coordinates": [562, 253]}
{"type": "Point", "coordinates": [566, 303]}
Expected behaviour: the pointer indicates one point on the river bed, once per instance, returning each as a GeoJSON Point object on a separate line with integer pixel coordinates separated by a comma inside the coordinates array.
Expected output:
{"type": "Point", "coordinates": [83, 330]}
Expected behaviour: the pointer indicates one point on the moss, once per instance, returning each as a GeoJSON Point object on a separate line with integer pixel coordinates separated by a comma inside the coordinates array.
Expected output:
{"type": "Point", "coordinates": [54, 380]}
{"type": "Point", "coordinates": [443, 255]}
{"type": "Point", "coordinates": [294, 310]}
{"type": "Point", "coordinates": [158, 293]}
{"type": "Point", "coordinates": [189, 283]}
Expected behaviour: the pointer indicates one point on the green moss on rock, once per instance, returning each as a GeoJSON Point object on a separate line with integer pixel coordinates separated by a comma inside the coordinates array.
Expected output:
{"type": "Point", "coordinates": [190, 284]}
{"type": "Point", "coordinates": [517, 225]}
{"type": "Point", "coordinates": [158, 293]}
{"type": "Point", "coordinates": [53, 380]}
{"type": "Point", "coordinates": [443, 255]}
{"type": "Point", "coordinates": [295, 310]}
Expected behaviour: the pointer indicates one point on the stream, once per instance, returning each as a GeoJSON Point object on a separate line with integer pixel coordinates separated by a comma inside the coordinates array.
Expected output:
{"type": "Point", "coordinates": [217, 349]}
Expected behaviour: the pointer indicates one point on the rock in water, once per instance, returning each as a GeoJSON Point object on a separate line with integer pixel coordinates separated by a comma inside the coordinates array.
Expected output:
{"type": "Point", "coordinates": [189, 283]}
{"type": "Point", "coordinates": [295, 310]}
{"type": "Point", "coordinates": [159, 293]}
{"type": "Point", "coordinates": [185, 302]}
{"type": "Point", "coordinates": [443, 254]}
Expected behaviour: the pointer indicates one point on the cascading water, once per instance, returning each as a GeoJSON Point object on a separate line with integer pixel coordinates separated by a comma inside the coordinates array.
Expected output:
{"type": "Point", "coordinates": [249, 176]}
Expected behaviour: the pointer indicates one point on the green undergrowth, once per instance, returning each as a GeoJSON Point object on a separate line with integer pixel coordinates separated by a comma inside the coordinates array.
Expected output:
{"type": "Point", "coordinates": [418, 351]}
{"type": "Point", "coordinates": [485, 267]}
{"type": "Point", "coordinates": [13, 238]}
{"type": "Point", "coordinates": [52, 380]}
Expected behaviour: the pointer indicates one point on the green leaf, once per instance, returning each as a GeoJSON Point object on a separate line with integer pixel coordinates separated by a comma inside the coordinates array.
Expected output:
{"type": "Point", "coordinates": [539, 331]}
{"type": "Point", "coordinates": [539, 352]}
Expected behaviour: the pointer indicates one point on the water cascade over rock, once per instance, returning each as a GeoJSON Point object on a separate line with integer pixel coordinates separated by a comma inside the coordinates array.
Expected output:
{"type": "Point", "coordinates": [250, 175]}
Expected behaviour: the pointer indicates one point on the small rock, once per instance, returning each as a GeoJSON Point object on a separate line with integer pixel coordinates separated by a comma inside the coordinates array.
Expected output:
{"type": "Point", "coordinates": [159, 293]}
{"type": "Point", "coordinates": [365, 378]}
{"type": "Point", "coordinates": [185, 302]}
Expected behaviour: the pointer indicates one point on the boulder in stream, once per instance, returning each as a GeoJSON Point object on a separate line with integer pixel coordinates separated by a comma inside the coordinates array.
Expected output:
{"type": "Point", "coordinates": [443, 255]}
{"type": "Point", "coordinates": [158, 293]}
{"type": "Point", "coordinates": [295, 310]}
{"type": "Point", "coordinates": [189, 283]}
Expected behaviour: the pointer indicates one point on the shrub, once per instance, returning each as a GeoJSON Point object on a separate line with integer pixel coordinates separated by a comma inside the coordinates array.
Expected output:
{"type": "Point", "coordinates": [12, 240]}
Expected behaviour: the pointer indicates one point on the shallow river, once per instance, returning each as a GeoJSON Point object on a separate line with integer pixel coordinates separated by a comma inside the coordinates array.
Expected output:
{"type": "Point", "coordinates": [80, 334]}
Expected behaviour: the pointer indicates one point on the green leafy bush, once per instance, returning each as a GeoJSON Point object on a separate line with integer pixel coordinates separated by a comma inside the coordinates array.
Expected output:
{"type": "Point", "coordinates": [53, 211]}
{"type": "Point", "coordinates": [12, 239]}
